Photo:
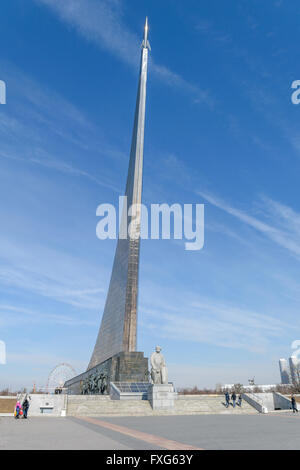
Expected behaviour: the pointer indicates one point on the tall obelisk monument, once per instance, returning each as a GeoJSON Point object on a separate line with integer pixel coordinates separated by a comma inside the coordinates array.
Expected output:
{"type": "Point", "coordinates": [118, 328]}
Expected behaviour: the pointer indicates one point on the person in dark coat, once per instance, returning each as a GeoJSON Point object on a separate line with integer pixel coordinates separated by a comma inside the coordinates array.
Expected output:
{"type": "Point", "coordinates": [227, 399]}
{"type": "Point", "coordinates": [240, 401]}
{"type": "Point", "coordinates": [233, 398]}
{"type": "Point", "coordinates": [25, 408]}
{"type": "Point", "coordinates": [294, 404]}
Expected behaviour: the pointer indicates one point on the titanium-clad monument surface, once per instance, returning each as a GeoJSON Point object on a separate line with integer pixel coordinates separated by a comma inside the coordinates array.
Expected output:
{"type": "Point", "coordinates": [118, 328]}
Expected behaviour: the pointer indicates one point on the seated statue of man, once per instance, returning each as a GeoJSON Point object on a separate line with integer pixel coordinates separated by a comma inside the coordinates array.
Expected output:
{"type": "Point", "coordinates": [159, 372]}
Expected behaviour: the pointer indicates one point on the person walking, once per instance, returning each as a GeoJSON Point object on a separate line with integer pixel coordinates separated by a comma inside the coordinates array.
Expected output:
{"type": "Point", "coordinates": [227, 399]}
{"type": "Point", "coordinates": [18, 409]}
{"type": "Point", "coordinates": [240, 401]}
{"type": "Point", "coordinates": [233, 398]}
{"type": "Point", "coordinates": [25, 406]}
{"type": "Point", "coordinates": [294, 404]}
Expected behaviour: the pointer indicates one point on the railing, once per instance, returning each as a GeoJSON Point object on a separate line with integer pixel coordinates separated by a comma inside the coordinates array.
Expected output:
{"type": "Point", "coordinates": [256, 401]}
{"type": "Point", "coordinates": [256, 397]}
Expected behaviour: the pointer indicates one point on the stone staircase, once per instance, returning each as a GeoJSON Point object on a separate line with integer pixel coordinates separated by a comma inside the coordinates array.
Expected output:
{"type": "Point", "coordinates": [209, 404]}
{"type": "Point", "coordinates": [97, 405]}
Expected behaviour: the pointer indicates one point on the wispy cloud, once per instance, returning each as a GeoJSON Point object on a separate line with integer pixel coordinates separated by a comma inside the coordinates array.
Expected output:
{"type": "Point", "coordinates": [58, 289]}
{"type": "Point", "coordinates": [13, 315]}
{"type": "Point", "coordinates": [62, 167]}
{"type": "Point", "coordinates": [101, 21]}
{"type": "Point", "coordinates": [46, 130]}
{"type": "Point", "coordinates": [47, 161]}
{"type": "Point", "coordinates": [215, 323]}
{"type": "Point", "coordinates": [281, 225]}
{"type": "Point", "coordinates": [50, 273]}
{"type": "Point", "coordinates": [207, 27]}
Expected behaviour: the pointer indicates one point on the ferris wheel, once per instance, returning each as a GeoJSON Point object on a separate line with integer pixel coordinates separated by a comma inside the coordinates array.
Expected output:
{"type": "Point", "coordinates": [59, 375]}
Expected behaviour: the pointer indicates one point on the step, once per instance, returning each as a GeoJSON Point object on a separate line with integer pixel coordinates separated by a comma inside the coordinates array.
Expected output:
{"type": "Point", "coordinates": [104, 406]}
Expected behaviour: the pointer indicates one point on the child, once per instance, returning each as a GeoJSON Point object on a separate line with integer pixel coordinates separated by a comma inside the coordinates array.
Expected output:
{"type": "Point", "coordinates": [18, 409]}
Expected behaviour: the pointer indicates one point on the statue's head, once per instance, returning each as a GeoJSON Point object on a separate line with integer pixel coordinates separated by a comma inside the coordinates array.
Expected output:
{"type": "Point", "coordinates": [158, 349]}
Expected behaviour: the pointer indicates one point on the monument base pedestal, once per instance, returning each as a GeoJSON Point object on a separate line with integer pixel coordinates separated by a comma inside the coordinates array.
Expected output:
{"type": "Point", "coordinates": [161, 396]}
{"type": "Point", "coordinates": [123, 367]}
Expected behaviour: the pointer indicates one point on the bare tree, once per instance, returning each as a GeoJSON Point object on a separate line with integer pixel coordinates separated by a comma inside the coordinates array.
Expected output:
{"type": "Point", "coordinates": [238, 388]}
{"type": "Point", "coordinates": [196, 391]}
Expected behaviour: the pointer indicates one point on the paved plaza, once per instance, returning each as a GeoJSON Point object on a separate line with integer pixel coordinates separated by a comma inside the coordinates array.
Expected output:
{"type": "Point", "coordinates": [272, 431]}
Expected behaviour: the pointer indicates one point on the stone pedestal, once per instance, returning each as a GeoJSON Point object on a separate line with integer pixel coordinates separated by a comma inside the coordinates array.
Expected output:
{"type": "Point", "coordinates": [161, 397]}
{"type": "Point", "coordinates": [123, 367]}
{"type": "Point", "coordinates": [129, 367]}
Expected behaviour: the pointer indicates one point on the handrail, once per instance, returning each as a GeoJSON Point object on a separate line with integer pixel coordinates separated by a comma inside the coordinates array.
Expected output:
{"type": "Point", "coordinates": [256, 397]}
{"type": "Point", "coordinates": [257, 401]}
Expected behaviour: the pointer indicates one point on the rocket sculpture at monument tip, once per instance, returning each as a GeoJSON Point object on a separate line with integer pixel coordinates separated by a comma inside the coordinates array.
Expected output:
{"type": "Point", "coordinates": [145, 42]}
{"type": "Point", "coordinates": [118, 330]}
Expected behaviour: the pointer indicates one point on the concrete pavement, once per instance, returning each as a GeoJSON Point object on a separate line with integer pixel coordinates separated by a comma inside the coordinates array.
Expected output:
{"type": "Point", "coordinates": [59, 433]}
{"type": "Point", "coordinates": [273, 431]}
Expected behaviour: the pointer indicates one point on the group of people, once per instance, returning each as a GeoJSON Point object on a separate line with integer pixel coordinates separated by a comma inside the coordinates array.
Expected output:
{"type": "Point", "coordinates": [239, 402]}
{"type": "Point", "coordinates": [233, 398]}
{"type": "Point", "coordinates": [22, 410]}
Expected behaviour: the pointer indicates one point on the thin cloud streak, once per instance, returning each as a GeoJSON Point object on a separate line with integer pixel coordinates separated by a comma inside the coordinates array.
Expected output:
{"type": "Point", "coordinates": [101, 22]}
{"type": "Point", "coordinates": [216, 330]}
{"type": "Point", "coordinates": [286, 237]}
{"type": "Point", "coordinates": [50, 273]}
{"type": "Point", "coordinates": [218, 324]}
{"type": "Point", "coordinates": [11, 314]}
{"type": "Point", "coordinates": [22, 277]}
{"type": "Point", "coordinates": [41, 116]}
{"type": "Point", "coordinates": [62, 167]}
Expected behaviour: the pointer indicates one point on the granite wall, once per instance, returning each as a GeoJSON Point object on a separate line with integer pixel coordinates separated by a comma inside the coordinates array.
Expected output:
{"type": "Point", "coordinates": [123, 367]}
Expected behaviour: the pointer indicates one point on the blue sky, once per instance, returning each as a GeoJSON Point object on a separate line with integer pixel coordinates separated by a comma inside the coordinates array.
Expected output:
{"type": "Point", "coordinates": [220, 130]}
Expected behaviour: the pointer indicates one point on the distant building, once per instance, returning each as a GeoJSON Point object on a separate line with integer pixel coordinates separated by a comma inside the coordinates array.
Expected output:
{"type": "Point", "coordinates": [284, 372]}
{"type": "Point", "coordinates": [289, 374]}
{"type": "Point", "coordinates": [294, 364]}
{"type": "Point", "coordinates": [289, 370]}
